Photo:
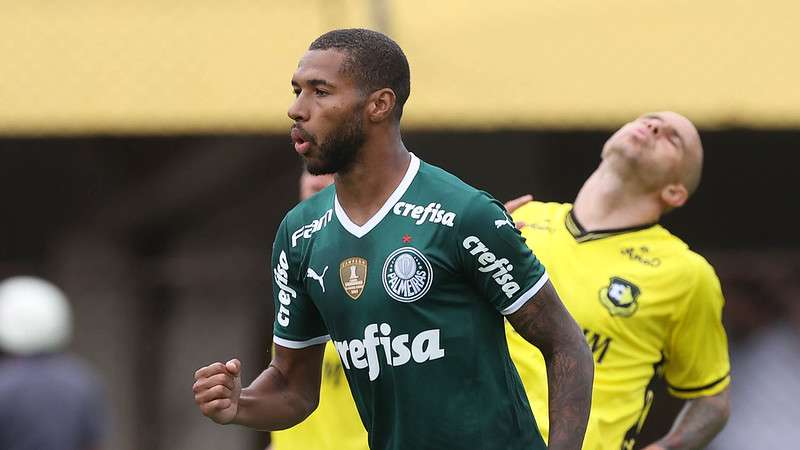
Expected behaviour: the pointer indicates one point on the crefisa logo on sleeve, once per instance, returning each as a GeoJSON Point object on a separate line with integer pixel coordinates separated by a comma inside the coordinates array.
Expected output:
{"type": "Point", "coordinates": [499, 268]}
{"type": "Point", "coordinates": [285, 293]}
{"type": "Point", "coordinates": [407, 275]}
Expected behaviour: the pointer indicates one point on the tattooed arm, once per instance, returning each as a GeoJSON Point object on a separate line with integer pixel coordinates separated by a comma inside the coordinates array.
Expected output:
{"type": "Point", "coordinates": [544, 322]}
{"type": "Point", "coordinates": [698, 422]}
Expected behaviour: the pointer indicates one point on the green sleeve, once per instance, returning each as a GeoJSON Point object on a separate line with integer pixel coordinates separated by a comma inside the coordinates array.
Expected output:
{"type": "Point", "coordinates": [298, 323]}
{"type": "Point", "coordinates": [495, 257]}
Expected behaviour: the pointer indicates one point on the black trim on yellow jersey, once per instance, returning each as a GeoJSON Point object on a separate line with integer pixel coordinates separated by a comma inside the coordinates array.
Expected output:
{"type": "Point", "coordinates": [629, 440]}
{"type": "Point", "coordinates": [581, 235]}
{"type": "Point", "coordinates": [700, 388]}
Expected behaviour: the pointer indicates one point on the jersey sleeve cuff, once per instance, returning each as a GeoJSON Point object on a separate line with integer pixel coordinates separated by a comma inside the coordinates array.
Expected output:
{"type": "Point", "coordinates": [713, 388]}
{"type": "Point", "coordinates": [527, 295]}
{"type": "Point", "coordinates": [300, 344]}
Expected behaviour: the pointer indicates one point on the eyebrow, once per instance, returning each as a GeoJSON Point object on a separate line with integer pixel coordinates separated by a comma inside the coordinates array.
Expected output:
{"type": "Point", "coordinates": [316, 82]}
{"type": "Point", "coordinates": [674, 130]}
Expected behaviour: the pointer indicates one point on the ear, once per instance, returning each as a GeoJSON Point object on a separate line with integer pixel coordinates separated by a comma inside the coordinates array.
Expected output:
{"type": "Point", "coordinates": [674, 195]}
{"type": "Point", "coordinates": [380, 105]}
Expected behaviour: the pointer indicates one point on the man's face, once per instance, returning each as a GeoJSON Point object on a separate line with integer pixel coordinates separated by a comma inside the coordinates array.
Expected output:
{"type": "Point", "coordinates": [328, 129]}
{"type": "Point", "coordinates": [656, 146]}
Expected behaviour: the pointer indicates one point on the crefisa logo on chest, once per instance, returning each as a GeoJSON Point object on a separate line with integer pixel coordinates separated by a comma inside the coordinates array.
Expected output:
{"type": "Point", "coordinates": [407, 275]}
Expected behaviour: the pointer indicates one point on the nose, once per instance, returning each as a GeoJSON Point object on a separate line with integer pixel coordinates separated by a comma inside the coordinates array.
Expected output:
{"type": "Point", "coordinates": [652, 125]}
{"type": "Point", "coordinates": [297, 110]}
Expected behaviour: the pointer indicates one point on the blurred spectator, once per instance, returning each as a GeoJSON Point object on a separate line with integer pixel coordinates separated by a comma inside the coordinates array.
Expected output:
{"type": "Point", "coordinates": [51, 401]}
{"type": "Point", "coordinates": [311, 184]}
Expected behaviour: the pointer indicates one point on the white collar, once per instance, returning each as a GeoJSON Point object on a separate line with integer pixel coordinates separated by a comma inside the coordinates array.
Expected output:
{"type": "Point", "coordinates": [360, 230]}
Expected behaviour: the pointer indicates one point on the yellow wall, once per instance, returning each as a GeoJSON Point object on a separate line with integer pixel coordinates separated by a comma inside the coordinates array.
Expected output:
{"type": "Point", "coordinates": [147, 66]}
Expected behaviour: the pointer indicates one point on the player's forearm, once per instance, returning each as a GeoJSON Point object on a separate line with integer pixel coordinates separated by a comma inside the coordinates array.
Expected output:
{"type": "Point", "coordinates": [570, 370]}
{"type": "Point", "coordinates": [698, 422]}
{"type": "Point", "coordinates": [544, 322]}
{"type": "Point", "coordinates": [271, 403]}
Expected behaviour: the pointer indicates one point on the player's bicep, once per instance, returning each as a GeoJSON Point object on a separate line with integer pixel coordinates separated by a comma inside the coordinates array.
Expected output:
{"type": "Point", "coordinates": [543, 320]}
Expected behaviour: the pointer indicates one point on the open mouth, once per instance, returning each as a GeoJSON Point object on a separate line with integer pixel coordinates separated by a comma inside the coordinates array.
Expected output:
{"type": "Point", "coordinates": [300, 141]}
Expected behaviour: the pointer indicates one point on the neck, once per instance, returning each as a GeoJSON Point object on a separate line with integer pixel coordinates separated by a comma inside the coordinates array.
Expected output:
{"type": "Point", "coordinates": [608, 201]}
{"type": "Point", "coordinates": [368, 183]}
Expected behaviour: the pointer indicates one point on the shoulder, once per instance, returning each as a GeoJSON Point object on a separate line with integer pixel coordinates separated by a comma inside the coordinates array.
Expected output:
{"type": "Point", "coordinates": [450, 193]}
{"type": "Point", "coordinates": [536, 211]}
{"type": "Point", "coordinates": [311, 208]}
{"type": "Point", "coordinates": [431, 178]}
{"type": "Point", "coordinates": [704, 273]}
{"type": "Point", "coordinates": [689, 264]}
{"type": "Point", "coordinates": [67, 371]}
{"type": "Point", "coordinates": [80, 374]}
{"type": "Point", "coordinates": [687, 271]}
{"type": "Point", "coordinates": [307, 217]}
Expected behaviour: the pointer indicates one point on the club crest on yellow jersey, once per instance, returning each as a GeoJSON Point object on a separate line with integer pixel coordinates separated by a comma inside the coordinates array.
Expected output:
{"type": "Point", "coordinates": [353, 275]}
{"type": "Point", "coordinates": [619, 297]}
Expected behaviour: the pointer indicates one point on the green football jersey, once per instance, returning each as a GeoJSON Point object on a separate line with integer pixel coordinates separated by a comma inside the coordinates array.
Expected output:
{"type": "Point", "coordinates": [414, 301]}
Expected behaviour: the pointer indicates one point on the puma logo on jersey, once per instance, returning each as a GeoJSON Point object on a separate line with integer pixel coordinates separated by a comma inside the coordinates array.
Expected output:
{"type": "Point", "coordinates": [499, 268]}
{"type": "Point", "coordinates": [310, 273]}
{"type": "Point", "coordinates": [504, 221]}
{"type": "Point", "coordinates": [431, 213]}
{"type": "Point", "coordinates": [364, 354]}
{"type": "Point", "coordinates": [307, 230]}
{"type": "Point", "coordinates": [285, 293]}
{"type": "Point", "coordinates": [500, 222]}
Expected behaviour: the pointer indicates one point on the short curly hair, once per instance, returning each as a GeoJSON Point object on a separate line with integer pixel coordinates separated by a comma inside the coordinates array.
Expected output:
{"type": "Point", "coordinates": [374, 61]}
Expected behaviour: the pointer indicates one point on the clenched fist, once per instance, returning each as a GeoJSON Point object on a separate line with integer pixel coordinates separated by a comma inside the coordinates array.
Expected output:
{"type": "Point", "coordinates": [217, 389]}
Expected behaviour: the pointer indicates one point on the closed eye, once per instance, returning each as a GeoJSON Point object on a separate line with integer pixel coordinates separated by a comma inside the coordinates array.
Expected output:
{"type": "Point", "coordinates": [676, 139]}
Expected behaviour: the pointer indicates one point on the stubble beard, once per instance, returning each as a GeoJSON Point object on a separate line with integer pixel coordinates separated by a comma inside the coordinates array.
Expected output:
{"type": "Point", "coordinates": [341, 149]}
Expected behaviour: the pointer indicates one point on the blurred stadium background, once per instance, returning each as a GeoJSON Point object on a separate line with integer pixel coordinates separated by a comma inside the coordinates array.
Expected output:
{"type": "Point", "coordinates": [145, 163]}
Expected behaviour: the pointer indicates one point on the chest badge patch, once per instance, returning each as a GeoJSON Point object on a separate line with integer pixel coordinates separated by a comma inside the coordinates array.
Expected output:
{"type": "Point", "coordinates": [620, 296]}
{"type": "Point", "coordinates": [407, 275]}
{"type": "Point", "coordinates": [353, 274]}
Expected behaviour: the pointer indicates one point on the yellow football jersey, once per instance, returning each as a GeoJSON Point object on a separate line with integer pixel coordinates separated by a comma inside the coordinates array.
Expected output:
{"type": "Point", "coordinates": [647, 305]}
{"type": "Point", "coordinates": [335, 425]}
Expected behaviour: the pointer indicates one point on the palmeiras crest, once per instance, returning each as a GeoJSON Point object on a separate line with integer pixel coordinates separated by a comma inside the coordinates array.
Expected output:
{"type": "Point", "coordinates": [407, 275]}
